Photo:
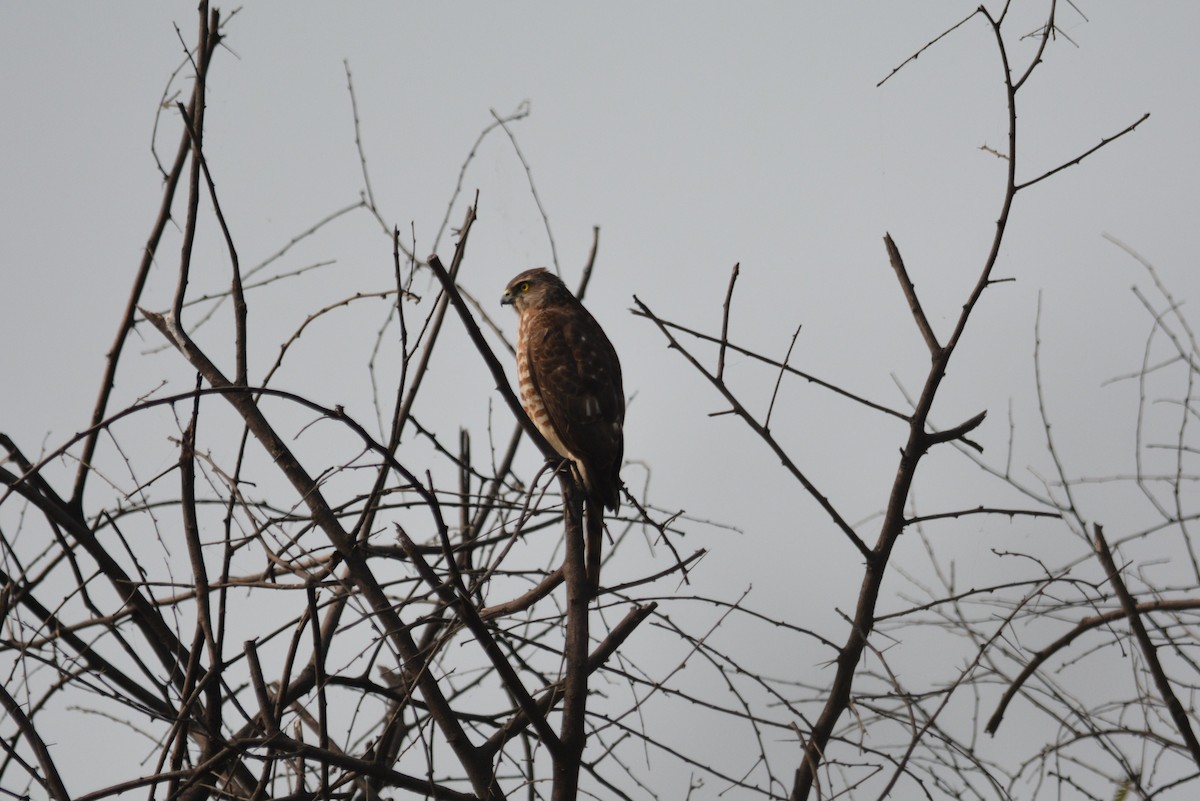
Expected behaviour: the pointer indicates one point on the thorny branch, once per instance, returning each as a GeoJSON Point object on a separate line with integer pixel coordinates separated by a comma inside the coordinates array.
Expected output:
{"type": "Point", "coordinates": [839, 698]}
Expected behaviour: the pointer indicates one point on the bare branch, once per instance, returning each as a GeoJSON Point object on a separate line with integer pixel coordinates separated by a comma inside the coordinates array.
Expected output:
{"type": "Point", "coordinates": [503, 123]}
{"type": "Point", "coordinates": [1149, 651]}
{"type": "Point", "coordinates": [474, 622]}
{"type": "Point", "coordinates": [733, 275]}
{"type": "Point", "coordinates": [51, 781]}
{"type": "Point", "coordinates": [108, 381]}
{"type": "Point", "coordinates": [982, 510]}
{"type": "Point", "coordinates": [1085, 154]}
{"type": "Point", "coordinates": [928, 45]}
{"type": "Point", "coordinates": [520, 113]}
{"type": "Point", "coordinates": [1043, 38]}
{"type": "Point", "coordinates": [779, 379]}
{"type": "Point", "coordinates": [959, 431]}
{"type": "Point", "coordinates": [765, 435]}
{"type": "Point", "coordinates": [368, 192]}
{"type": "Point", "coordinates": [789, 369]}
{"type": "Point", "coordinates": [239, 299]}
{"type": "Point", "coordinates": [910, 294]}
{"type": "Point", "coordinates": [1083, 626]}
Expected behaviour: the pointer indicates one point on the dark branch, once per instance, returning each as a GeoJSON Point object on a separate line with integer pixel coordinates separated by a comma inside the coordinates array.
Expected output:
{"type": "Point", "coordinates": [1085, 154]}
{"type": "Point", "coordinates": [910, 294]}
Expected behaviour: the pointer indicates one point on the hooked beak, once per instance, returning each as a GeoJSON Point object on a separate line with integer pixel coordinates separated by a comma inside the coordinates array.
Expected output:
{"type": "Point", "coordinates": [507, 299]}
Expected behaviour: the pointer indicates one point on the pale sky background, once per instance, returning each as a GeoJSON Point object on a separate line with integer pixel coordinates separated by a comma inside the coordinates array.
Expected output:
{"type": "Point", "coordinates": [695, 136]}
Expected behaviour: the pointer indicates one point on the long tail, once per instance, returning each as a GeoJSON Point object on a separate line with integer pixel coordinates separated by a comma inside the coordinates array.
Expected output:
{"type": "Point", "coordinates": [595, 538]}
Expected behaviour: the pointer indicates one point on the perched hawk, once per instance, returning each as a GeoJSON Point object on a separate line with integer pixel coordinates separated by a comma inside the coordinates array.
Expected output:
{"type": "Point", "coordinates": [571, 389]}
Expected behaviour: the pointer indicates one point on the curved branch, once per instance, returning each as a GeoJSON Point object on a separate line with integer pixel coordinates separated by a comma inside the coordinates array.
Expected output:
{"type": "Point", "coordinates": [1082, 627]}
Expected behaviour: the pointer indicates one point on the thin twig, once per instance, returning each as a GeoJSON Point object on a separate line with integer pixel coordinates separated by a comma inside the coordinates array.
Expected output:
{"type": "Point", "coordinates": [503, 123]}
{"type": "Point", "coordinates": [1085, 154]}
{"type": "Point", "coordinates": [928, 45]}
{"type": "Point", "coordinates": [1081, 627]}
{"type": "Point", "coordinates": [779, 379]}
{"type": "Point", "coordinates": [763, 434]}
{"type": "Point", "coordinates": [108, 380]}
{"type": "Point", "coordinates": [521, 112]}
{"type": "Point", "coordinates": [769, 361]}
{"type": "Point", "coordinates": [733, 276]}
{"type": "Point", "coordinates": [1043, 38]}
{"type": "Point", "coordinates": [236, 292]}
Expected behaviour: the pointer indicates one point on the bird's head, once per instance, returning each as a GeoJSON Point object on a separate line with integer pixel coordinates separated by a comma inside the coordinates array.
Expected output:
{"type": "Point", "coordinates": [532, 288]}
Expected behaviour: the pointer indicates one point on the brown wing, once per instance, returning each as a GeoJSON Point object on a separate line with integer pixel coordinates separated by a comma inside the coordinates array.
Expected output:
{"type": "Point", "coordinates": [578, 376]}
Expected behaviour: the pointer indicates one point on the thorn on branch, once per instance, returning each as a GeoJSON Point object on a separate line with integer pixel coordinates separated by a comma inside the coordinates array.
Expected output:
{"type": "Point", "coordinates": [1011, 514]}
{"type": "Point", "coordinates": [928, 45]}
{"type": "Point", "coordinates": [1083, 155]}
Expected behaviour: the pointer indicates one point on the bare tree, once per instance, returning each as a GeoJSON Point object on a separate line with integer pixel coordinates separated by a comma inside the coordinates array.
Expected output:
{"type": "Point", "coordinates": [291, 601]}
{"type": "Point", "coordinates": [935, 751]}
{"type": "Point", "coordinates": [371, 620]}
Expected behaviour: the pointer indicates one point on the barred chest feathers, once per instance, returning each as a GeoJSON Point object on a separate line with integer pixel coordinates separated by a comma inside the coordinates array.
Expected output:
{"type": "Point", "coordinates": [531, 400]}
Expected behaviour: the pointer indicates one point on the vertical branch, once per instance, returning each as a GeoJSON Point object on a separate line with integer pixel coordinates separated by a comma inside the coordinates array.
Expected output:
{"type": "Point", "coordinates": [586, 276]}
{"type": "Point", "coordinates": [1069, 509]}
{"type": "Point", "coordinates": [108, 381]}
{"type": "Point", "coordinates": [733, 276]}
{"type": "Point", "coordinates": [435, 325]}
{"type": "Point", "coordinates": [368, 194]}
{"type": "Point", "coordinates": [235, 289]}
{"type": "Point", "coordinates": [318, 662]}
{"type": "Point", "coordinates": [191, 531]}
{"type": "Point", "coordinates": [919, 442]}
{"type": "Point", "coordinates": [572, 735]}
{"type": "Point", "coordinates": [779, 378]}
{"type": "Point", "coordinates": [1043, 40]}
{"type": "Point", "coordinates": [362, 528]}
{"type": "Point", "coordinates": [465, 559]}
{"type": "Point", "coordinates": [197, 137]}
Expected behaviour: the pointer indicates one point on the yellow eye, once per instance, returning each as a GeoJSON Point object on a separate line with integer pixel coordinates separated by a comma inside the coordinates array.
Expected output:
{"type": "Point", "coordinates": [524, 287]}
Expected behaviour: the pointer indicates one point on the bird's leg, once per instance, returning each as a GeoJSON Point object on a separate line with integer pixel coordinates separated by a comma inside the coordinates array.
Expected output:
{"type": "Point", "coordinates": [564, 465]}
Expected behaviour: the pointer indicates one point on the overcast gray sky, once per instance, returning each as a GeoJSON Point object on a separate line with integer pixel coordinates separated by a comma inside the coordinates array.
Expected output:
{"type": "Point", "coordinates": [695, 136]}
